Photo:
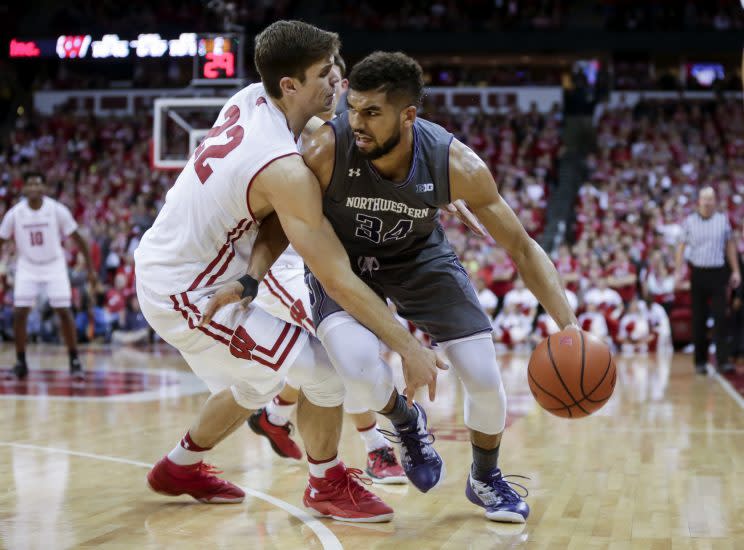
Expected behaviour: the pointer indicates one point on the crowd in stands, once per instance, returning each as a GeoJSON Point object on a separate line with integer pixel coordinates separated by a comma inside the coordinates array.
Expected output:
{"type": "Point", "coordinates": [618, 266]}
{"type": "Point", "coordinates": [650, 162]}
{"type": "Point", "coordinates": [99, 168]}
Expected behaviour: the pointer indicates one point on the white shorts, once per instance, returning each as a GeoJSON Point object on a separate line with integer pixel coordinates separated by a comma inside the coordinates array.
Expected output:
{"type": "Point", "coordinates": [246, 350]}
{"type": "Point", "coordinates": [283, 294]}
{"type": "Point", "coordinates": [29, 285]}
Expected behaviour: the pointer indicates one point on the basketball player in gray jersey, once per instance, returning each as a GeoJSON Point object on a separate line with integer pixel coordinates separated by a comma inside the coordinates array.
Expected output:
{"type": "Point", "coordinates": [385, 173]}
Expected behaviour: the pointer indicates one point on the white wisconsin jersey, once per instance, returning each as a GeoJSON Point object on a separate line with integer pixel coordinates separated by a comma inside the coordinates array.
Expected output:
{"type": "Point", "coordinates": [602, 298]}
{"type": "Point", "coordinates": [634, 326]}
{"type": "Point", "coordinates": [659, 320]}
{"type": "Point", "coordinates": [522, 298]}
{"type": "Point", "coordinates": [38, 233]}
{"type": "Point", "coordinates": [204, 234]}
{"type": "Point", "coordinates": [290, 258]}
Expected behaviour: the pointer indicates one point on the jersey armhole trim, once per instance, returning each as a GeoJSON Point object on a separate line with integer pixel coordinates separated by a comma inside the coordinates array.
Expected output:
{"type": "Point", "coordinates": [248, 189]}
{"type": "Point", "coordinates": [335, 160]}
{"type": "Point", "coordinates": [449, 184]}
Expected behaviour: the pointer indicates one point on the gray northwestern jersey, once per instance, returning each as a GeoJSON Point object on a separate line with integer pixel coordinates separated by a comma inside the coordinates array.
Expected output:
{"type": "Point", "coordinates": [392, 234]}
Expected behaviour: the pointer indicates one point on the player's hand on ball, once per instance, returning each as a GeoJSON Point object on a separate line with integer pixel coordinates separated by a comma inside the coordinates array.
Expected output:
{"type": "Point", "coordinates": [226, 294]}
{"type": "Point", "coordinates": [420, 369]}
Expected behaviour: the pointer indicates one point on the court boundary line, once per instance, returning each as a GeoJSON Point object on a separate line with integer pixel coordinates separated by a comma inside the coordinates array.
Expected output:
{"type": "Point", "coordinates": [729, 389]}
{"type": "Point", "coordinates": [327, 538]}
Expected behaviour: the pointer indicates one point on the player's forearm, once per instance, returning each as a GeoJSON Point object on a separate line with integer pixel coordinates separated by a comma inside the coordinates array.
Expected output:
{"type": "Point", "coordinates": [540, 276]}
{"type": "Point", "coordinates": [85, 251]}
{"type": "Point", "coordinates": [325, 256]}
{"type": "Point", "coordinates": [270, 242]}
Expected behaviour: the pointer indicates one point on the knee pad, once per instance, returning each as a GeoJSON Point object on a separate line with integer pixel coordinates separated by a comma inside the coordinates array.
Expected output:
{"type": "Point", "coordinates": [314, 374]}
{"type": "Point", "coordinates": [474, 361]}
{"type": "Point", "coordinates": [355, 353]}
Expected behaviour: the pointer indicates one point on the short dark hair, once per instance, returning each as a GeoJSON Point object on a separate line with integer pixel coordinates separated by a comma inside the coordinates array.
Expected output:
{"type": "Point", "coordinates": [340, 63]}
{"type": "Point", "coordinates": [394, 73]}
{"type": "Point", "coordinates": [33, 174]}
{"type": "Point", "coordinates": [288, 48]}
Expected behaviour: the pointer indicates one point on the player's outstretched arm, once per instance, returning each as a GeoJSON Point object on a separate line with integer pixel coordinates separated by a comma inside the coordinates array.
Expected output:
{"type": "Point", "coordinates": [293, 191]}
{"type": "Point", "coordinates": [85, 251]}
{"type": "Point", "coordinates": [471, 180]}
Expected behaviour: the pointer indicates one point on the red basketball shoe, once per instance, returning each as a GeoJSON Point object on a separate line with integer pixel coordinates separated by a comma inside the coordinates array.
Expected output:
{"type": "Point", "coordinates": [383, 467]}
{"type": "Point", "coordinates": [341, 496]}
{"type": "Point", "coordinates": [198, 480]}
{"type": "Point", "coordinates": [278, 436]}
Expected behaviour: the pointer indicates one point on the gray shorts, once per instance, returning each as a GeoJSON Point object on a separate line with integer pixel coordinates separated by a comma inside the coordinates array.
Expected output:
{"type": "Point", "coordinates": [436, 295]}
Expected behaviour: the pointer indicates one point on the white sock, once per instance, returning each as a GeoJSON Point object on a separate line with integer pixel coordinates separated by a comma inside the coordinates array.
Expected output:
{"type": "Point", "coordinates": [183, 455]}
{"type": "Point", "coordinates": [319, 470]}
{"type": "Point", "coordinates": [373, 439]}
{"type": "Point", "coordinates": [279, 414]}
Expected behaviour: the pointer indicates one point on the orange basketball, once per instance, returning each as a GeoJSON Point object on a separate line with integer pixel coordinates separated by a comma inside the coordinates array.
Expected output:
{"type": "Point", "coordinates": [571, 373]}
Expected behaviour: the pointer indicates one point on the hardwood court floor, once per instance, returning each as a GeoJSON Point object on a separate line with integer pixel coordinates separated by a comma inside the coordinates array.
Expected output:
{"type": "Point", "coordinates": [660, 467]}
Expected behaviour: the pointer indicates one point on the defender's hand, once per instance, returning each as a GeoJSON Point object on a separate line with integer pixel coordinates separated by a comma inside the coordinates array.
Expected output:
{"type": "Point", "coordinates": [420, 369]}
{"type": "Point", "coordinates": [226, 294]}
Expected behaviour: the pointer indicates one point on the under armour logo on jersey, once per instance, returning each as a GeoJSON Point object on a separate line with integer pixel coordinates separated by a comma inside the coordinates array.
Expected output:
{"type": "Point", "coordinates": [313, 492]}
{"type": "Point", "coordinates": [355, 172]}
{"type": "Point", "coordinates": [424, 187]}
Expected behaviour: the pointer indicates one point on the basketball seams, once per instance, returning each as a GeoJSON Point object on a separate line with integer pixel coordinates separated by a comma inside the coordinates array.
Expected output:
{"type": "Point", "coordinates": [609, 364]}
{"type": "Point", "coordinates": [586, 404]}
{"type": "Point", "coordinates": [566, 407]}
{"type": "Point", "coordinates": [560, 379]}
{"type": "Point", "coordinates": [583, 364]}
{"type": "Point", "coordinates": [604, 399]}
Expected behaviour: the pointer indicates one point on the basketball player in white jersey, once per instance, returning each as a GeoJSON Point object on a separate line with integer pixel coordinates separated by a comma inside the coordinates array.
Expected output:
{"type": "Point", "coordinates": [38, 224]}
{"type": "Point", "coordinates": [195, 269]}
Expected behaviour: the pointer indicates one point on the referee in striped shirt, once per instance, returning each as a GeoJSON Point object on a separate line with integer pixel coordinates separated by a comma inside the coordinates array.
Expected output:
{"type": "Point", "coordinates": [706, 245]}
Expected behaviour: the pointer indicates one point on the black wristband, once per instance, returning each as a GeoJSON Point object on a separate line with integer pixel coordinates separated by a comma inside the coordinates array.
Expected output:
{"type": "Point", "coordinates": [250, 286]}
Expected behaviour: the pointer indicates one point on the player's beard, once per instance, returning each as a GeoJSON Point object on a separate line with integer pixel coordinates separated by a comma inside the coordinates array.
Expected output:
{"type": "Point", "coordinates": [383, 149]}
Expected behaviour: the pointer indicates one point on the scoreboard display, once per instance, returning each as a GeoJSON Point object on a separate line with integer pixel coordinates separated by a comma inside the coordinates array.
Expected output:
{"type": "Point", "coordinates": [217, 57]}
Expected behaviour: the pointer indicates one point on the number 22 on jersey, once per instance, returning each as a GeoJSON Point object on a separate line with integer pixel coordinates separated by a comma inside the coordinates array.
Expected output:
{"type": "Point", "coordinates": [203, 153]}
